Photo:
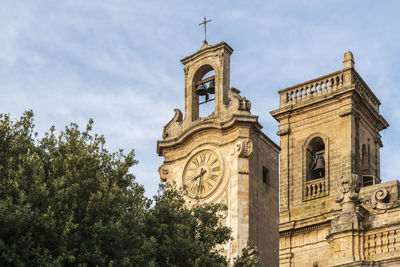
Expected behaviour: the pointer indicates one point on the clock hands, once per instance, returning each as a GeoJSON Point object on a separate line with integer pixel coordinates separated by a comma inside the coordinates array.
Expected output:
{"type": "Point", "coordinates": [202, 172]}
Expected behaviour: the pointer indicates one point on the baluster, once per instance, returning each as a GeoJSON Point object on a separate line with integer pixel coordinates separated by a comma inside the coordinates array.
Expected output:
{"type": "Point", "coordinates": [381, 242]}
{"type": "Point", "coordinates": [375, 242]}
{"type": "Point", "coordinates": [337, 82]}
{"type": "Point", "coordinates": [368, 245]}
{"type": "Point", "coordinates": [306, 191]}
{"type": "Point", "coordinates": [391, 241]}
{"type": "Point", "coordinates": [385, 244]}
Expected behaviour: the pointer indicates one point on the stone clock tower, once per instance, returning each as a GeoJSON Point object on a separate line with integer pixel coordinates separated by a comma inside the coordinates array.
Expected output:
{"type": "Point", "coordinates": [224, 157]}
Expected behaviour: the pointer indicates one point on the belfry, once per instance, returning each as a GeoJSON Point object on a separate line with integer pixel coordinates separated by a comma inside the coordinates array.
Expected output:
{"type": "Point", "coordinates": [334, 210]}
{"type": "Point", "coordinates": [224, 157]}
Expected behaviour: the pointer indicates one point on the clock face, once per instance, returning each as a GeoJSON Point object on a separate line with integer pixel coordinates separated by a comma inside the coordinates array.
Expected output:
{"type": "Point", "coordinates": [202, 173]}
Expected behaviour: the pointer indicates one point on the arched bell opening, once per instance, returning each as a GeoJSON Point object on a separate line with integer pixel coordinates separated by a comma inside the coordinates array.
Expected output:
{"type": "Point", "coordinates": [316, 159]}
{"type": "Point", "coordinates": [204, 90]}
{"type": "Point", "coordinates": [364, 159]}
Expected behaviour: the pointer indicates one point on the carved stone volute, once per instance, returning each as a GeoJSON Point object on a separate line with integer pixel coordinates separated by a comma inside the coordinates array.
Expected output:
{"type": "Point", "coordinates": [243, 148]}
{"type": "Point", "coordinates": [173, 126]}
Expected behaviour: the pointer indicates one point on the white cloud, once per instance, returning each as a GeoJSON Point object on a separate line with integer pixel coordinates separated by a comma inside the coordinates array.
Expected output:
{"type": "Point", "coordinates": [118, 61]}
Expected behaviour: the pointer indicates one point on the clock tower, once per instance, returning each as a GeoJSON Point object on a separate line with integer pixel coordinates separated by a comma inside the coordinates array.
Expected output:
{"type": "Point", "coordinates": [223, 156]}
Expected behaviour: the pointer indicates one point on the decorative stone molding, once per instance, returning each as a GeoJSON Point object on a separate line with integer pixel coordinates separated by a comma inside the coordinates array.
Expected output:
{"type": "Point", "coordinates": [240, 103]}
{"type": "Point", "coordinates": [283, 131]}
{"type": "Point", "coordinates": [380, 199]}
{"type": "Point", "coordinates": [245, 104]}
{"type": "Point", "coordinates": [172, 125]}
{"type": "Point", "coordinates": [348, 187]}
{"type": "Point", "coordinates": [243, 148]}
{"type": "Point", "coordinates": [163, 171]}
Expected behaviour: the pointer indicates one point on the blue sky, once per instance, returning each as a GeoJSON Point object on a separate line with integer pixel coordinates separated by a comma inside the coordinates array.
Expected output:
{"type": "Point", "coordinates": [118, 61]}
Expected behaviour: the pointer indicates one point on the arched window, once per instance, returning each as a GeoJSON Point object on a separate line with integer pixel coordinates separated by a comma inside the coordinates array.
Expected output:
{"type": "Point", "coordinates": [315, 159]}
{"type": "Point", "coordinates": [364, 159]}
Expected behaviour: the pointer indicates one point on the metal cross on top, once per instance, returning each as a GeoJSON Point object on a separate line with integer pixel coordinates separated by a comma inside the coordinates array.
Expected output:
{"type": "Point", "coordinates": [205, 21]}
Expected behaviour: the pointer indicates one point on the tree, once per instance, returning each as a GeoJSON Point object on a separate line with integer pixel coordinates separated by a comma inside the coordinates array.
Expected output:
{"type": "Point", "coordinates": [179, 235]}
{"type": "Point", "coordinates": [248, 257]}
{"type": "Point", "coordinates": [65, 200]}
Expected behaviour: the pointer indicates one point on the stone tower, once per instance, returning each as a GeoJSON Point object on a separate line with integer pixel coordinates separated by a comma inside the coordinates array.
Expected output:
{"type": "Point", "coordinates": [330, 152]}
{"type": "Point", "coordinates": [224, 157]}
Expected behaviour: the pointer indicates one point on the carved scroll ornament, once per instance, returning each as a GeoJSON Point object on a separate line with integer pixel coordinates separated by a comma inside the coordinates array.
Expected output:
{"type": "Point", "coordinates": [243, 148]}
{"type": "Point", "coordinates": [380, 199]}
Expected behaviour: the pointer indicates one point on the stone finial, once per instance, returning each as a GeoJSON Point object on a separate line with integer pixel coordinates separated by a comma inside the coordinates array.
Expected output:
{"type": "Point", "coordinates": [348, 188]}
{"type": "Point", "coordinates": [348, 60]}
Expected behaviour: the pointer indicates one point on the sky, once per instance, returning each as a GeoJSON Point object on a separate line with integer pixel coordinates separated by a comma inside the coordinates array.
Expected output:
{"type": "Point", "coordinates": [118, 62]}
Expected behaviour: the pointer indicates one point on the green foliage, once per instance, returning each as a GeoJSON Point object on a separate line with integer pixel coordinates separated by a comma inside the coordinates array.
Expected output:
{"type": "Point", "coordinates": [183, 236]}
{"type": "Point", "coordinates": [67, 201]}
{"type": "Point", "coordinates": [249, 256]}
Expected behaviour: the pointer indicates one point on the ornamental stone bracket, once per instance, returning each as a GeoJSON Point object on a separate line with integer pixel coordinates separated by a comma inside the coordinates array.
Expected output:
{"type": "Point", "coordinates": [243, 148]}
{"type": "Point", "coordinates": [163, 171]}
{"type": "Point", "coordinates": [240, 153]}
{"type": "Point", "coordinates": [283, 131]}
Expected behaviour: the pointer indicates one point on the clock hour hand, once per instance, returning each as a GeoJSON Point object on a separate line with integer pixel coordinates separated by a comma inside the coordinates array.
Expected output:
{"type": "Point", "coordinates": [202, 172]}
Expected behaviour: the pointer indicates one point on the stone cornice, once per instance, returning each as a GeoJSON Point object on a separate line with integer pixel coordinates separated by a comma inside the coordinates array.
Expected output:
{"type": "Point", "coordinates": [206, 49]}
{"type": "Point", "coordinates": [213, 124]}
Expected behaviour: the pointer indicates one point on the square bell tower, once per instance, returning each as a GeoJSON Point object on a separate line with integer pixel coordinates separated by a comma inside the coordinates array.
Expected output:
{"type": "Point", "coordinates": [328, 127]}
{"type": "Point", "coordinates": [224, 157]}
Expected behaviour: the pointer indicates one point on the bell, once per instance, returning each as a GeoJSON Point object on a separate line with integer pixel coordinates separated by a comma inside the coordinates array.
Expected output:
{"type": "Point", "coordinates": [211, 88]}
{"type": "Point", "coordinates": [201, 90]}
{"type": "Point", "coordinates": [320, 164]}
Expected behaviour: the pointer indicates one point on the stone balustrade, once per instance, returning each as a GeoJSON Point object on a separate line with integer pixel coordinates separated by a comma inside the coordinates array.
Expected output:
{"type": "Point", "coordinates": [382, 243]}
{"type": "Point", "coordinates": [322, 86]}
{"type": "Point", "coordinates": [315, 189]}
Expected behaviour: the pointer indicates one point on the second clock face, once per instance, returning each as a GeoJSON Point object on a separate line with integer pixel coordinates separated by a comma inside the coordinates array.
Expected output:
{"type": "Point", "coordinates": [202, 173]}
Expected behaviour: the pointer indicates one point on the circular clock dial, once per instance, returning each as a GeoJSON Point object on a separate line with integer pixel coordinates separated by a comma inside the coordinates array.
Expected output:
{"type": "Point", "coordinates": [202, 173]}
